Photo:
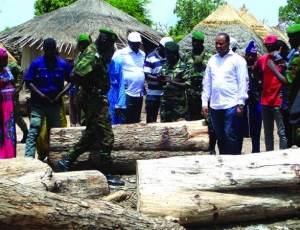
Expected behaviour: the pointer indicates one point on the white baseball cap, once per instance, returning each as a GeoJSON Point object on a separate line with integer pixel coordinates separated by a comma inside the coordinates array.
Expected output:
{"type": "Point", "coordinates": [164, 40]}
{"type": "Point", "coordinates": [134, 37]}
{"type": "Point", "coordinates": [233, 43]}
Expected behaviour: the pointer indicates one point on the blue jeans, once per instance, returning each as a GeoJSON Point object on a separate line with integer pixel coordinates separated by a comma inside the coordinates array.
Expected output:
{"type": "Point", "coordinates": [38, 113]}
{"type": "Point", "coordinates": [255, 121]}
{"type": "Point", "coordinates": [226, 125]}
{"type": "Point", "coordinates": [269, 114]}
{"type": "Point", "coordinates": [152, 107]}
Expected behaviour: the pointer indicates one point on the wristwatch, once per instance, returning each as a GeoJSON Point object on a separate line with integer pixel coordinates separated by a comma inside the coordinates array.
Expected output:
{"type": "Point", "coordinates": [241, 106]}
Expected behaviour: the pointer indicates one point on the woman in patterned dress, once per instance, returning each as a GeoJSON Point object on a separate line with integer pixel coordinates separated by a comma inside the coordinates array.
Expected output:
{"type": "Point", "coordinates": [7, 119]}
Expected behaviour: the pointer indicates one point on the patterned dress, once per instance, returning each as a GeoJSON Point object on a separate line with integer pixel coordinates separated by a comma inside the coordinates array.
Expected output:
{"type": "Point", "coordinates": [7, 119]}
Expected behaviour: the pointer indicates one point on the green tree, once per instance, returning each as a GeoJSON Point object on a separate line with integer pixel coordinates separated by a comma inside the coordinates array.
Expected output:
{"type": "Point", "coordinates": [191, 12]}
{"type": "Point", "coordinates": [290, 13]}
{"type": "Point", "coordinates": [45, 6]}
{"type": "Point", "coordinates": [135, 8]}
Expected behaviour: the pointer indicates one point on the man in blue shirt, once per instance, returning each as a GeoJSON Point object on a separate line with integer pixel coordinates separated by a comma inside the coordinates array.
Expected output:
{"type": "Point", "coordinates": [45, 78]}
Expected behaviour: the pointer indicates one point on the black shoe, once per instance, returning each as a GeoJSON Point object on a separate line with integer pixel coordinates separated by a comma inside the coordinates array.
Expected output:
{"type": "Point", "coordinates": [212, 152]}
{"type": "Point", "coordinates": [24, 137]}
{"type": "Point", "coordinates": [114, 180]}
{"type": "Point", "coordinates": [64, 164]}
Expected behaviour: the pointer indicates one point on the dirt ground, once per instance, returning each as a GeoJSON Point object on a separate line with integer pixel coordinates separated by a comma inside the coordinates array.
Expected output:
{"type": "Point", "coordinates": [130, 186]}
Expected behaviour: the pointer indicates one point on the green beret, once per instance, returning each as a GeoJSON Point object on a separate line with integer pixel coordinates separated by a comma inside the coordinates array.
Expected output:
{"type": "Point", "coordinates": [83, 37]}
{"type": "Point", "coordinates": [172, 46]}
{"type": "Point", "coordinates": [198, 35]}
{"type": "Point", "coordinates": [109, 33]}
{"type": "Point", "coordinates": [293, 29]}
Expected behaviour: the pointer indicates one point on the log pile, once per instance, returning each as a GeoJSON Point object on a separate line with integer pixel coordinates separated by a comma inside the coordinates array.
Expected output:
{"type": "Point", "coordinates": [26, 208]}
{"type": "Point", "coordinates": [210, 190]}
{"type": "Point", "coordinates": [135, 142]}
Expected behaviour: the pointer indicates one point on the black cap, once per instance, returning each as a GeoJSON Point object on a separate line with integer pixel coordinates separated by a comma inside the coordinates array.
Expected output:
{"type": "Point", "coordinates": [49, 43]}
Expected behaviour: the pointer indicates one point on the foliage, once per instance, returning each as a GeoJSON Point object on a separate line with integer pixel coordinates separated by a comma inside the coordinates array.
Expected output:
{"type": "Point", "coordinates": [6, 28]}
{"type": "Point", "coordinates": [45, 6]}
{"type": "Point", "coordinates": [290, 13]}
{"type": "Point", "coordinates": [135, 8]}
{"type": "Point", "coordinates": [191, 12]}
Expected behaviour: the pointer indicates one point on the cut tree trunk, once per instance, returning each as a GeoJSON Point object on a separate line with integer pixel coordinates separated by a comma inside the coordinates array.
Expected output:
{"type": "Point", "coordinates": [25, 208]}
{"type": "Point", "coordinates": [82, 184]}
{"type": "Point", "coordinates": [124, 161]}
{"type": "Point", "coordinates": [173, 136]}
{"type": "Point", "coordinates": [185, 188]}
{"type": "Point", "coordinates": [134, 142]}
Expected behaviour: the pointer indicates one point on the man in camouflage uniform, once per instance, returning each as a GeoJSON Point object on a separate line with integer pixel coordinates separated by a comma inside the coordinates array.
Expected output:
{"type": "Point", "coordinates": [197, 60]}
{"type": "Point", "coordinates": [175, 80]}
{"type": "Point", "coordinates": [292, 74]}
{"type": "Point", "coordinates": [91, 77]}
{"type": "Point", "coordinates": [18, 73]}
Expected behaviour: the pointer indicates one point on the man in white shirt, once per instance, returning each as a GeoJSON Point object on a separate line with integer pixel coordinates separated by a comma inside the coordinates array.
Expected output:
{"type": "Point", "coordinates": [225, 87]}
{"type": "Point", "coordinates": [132, 59]}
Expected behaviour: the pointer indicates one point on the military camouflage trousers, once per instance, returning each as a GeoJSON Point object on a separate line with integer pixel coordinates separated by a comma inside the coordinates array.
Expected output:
{"type": "Point", "coordinates": [98, 135]}
{"type": "Point", "coordinates": [173, 108]}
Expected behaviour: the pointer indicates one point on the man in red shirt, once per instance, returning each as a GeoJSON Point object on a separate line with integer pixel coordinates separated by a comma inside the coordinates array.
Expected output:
{"type": "Point", "coordinates": [270, 98]}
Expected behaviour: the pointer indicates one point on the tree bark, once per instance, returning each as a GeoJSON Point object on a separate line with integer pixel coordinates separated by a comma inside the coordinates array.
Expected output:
{"type": "Point", "coordinates": [25, 208]}
{"type": "Point", "coordinates": [82, 184]}
{"type": "Point", "coordinates": [173, 136]}
{"type": "Point", "coordinates": [173, 184]}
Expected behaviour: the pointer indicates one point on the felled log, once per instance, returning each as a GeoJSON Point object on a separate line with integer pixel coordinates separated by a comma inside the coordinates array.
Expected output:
{"type": "Point", "coordinates": [124, 161]}
{"type": "Point", "coordinates": [188, 188]}
{"type": "Point", "coordinates": [173, 136]}
{"type": "Point", "coordinates": [134, 142]}
{"type": "Point", "coordinates": [82, 184]}
{"type": "Point", "coordinates": [26, 208]}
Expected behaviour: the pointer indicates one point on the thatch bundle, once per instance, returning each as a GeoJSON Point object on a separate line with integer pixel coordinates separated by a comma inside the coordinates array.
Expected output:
{"type": "Point", "coordinates": [83, 16]}
{"type": "Point", "coordinates": [241, 25]}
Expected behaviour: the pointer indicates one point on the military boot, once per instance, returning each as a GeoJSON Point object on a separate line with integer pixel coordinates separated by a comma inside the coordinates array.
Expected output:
{"type": "Point", "coordinates": [63, 165]}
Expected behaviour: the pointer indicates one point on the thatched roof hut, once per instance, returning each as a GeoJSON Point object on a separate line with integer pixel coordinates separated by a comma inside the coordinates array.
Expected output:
{"type": "Point", "coordinates": [262, 30]}
{"type": "Point", "coordinates": [242, 25]}
{"type": "Point", "coordinates": [64, 24]}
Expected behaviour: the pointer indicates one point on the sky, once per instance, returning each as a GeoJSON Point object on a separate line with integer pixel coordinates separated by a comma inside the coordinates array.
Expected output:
{"type": "Point", "coordinates": [15, 12]}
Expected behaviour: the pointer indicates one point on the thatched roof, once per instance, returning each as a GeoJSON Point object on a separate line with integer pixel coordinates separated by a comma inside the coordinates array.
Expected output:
{"type": "Point", "coordinates": [224, 19]}
{"type": "Point", "coordinates": [262, 30]}
{"type": "Point", "coordinates": [83, 16]}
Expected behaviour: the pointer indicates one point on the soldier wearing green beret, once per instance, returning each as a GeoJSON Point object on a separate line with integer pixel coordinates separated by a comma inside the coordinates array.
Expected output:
{"type": "Point", "coordinates": [197, 60]}
{"type": "Point", "coordinates": [91, 77]}
{"type": "Point", "coordinates": [175, 80]}
{"type": "Point", "coordinates": [292, 74]}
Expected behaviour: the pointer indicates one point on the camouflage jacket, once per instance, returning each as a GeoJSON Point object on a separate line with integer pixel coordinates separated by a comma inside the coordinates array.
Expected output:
{"type": "Point", "coordinates": [92, 67]}
{"type": "Point", "coordinates": [16, 71]}
{"type": "Point", "coordinates": [293, 77]}
{"type": "Point", "coordinates": [196, 70]}
{"type": "Point", "coordinates": [179, 73]}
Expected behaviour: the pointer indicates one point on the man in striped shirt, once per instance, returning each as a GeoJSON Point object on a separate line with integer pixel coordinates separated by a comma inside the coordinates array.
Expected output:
{"type": "Point", "coordinates": [152, 67]}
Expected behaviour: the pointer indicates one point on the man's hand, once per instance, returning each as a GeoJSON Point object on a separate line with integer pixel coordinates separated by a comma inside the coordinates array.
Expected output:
{"type": "Point", "coordinates": [58, 98]}
{"type": "Point", "coordinates": [239, 111]}
{"type": "Point", "coordinates": [271, 64]}
{"type": "Point", "coordinates": [46, 100]}
{"type": "Point", "coordinates": [117, 112]}
{"type": "Point", "coordinates": [17, 91]}
{"type": "Point", "coordinates": [205, 111]}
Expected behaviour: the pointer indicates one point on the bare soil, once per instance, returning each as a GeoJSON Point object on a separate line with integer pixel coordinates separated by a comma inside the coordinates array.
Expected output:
{"type": "Point", "coordinates": [290, 223]}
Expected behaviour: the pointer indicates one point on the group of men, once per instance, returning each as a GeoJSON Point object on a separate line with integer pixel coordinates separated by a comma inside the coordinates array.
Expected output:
{"type": "Point", "coordinates": [217, 89]}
